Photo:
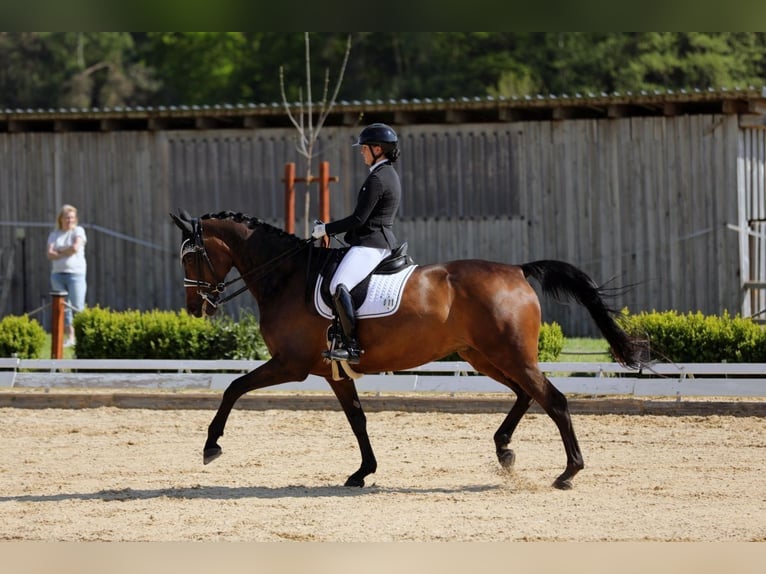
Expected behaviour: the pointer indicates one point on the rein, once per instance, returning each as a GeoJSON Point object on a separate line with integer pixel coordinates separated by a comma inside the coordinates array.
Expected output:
{"type": "Point", "coordinates": [212, 291]}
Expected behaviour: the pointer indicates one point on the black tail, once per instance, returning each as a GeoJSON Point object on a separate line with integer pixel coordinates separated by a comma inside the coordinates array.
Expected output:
{"type": "Point", "coordinates": [563, 280]}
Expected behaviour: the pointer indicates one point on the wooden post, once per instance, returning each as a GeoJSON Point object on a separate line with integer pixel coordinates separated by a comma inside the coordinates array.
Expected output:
{"type": "Point", "coordinates": [324, 191]}
{"type": "Point", "coordinates": [57, 324]}
{"type": "Point", "coordinates": [324, 180]}
{"type": "Point", "coordinates": [290, 197]}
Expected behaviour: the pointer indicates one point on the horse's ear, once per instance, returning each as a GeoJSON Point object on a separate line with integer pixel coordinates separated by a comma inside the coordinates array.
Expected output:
{"type": "Point", "coordinates": [183, 214]}
{"type": "Point", "coordinates": [183, 222]}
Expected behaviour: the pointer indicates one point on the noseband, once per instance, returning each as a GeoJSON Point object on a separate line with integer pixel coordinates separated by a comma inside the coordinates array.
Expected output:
{"type": "Point", "coordinates": [211, 293]}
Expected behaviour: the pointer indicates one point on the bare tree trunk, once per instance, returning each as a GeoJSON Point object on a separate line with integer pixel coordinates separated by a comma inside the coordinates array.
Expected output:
{"type": "Point", "coordinates": [308, 134]}
{"type": "Point", "coordinates": [307, 202]}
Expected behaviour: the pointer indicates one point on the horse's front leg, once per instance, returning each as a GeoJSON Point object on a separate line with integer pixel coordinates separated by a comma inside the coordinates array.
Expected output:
{"type": "Point", "coordinates": [272, 372]}
{"type": "Point", "coordinates": [345, 390]}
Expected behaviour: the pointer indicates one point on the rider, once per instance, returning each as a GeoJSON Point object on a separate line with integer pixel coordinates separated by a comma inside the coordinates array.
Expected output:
{"type": "Point", "coordinates": [368, 229]}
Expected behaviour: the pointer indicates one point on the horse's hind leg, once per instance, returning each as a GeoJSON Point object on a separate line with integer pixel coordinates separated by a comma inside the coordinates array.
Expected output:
{"type": "Point", "coordinates": [345, 391]}
{"type": "Point", "coordinates": [560, 414]}
{"type": "Point", "coordinates": [554, 403]}
{"type": "Point", "coordinates": [505, 455]}
{"type": "Point", "coordinates": [529, 383]}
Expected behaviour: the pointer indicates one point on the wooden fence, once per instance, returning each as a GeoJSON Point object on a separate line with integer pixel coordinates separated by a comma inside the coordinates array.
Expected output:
{"type": "Point", "coordinates": [662, 380]}
{"type": "Point", "coordinates": [641, 201]}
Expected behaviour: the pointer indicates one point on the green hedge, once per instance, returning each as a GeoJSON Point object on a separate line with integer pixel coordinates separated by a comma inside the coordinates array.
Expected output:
{"type": "Point", "coordinates": [102, 333]}
{"type": "Point", "coordinates": [698, 338]}
{"type": "Point", "coordinates": [21, 336]}
{"type": "Point", "coordinates": [550, 343]}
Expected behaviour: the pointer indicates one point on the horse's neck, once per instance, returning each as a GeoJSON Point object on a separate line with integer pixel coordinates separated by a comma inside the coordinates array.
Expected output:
{"type": "Point", "coordinates": [268, 261]}
{"type": "Point", "coordinates": [234, 240]}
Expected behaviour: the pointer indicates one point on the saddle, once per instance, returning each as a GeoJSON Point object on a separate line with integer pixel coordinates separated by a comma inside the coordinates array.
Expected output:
{"type": "Point", "coordinates": [398, 260]}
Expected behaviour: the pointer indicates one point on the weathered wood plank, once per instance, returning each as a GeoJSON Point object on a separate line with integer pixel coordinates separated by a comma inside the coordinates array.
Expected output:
{"type": "Point", "coordinates": [623, 198]}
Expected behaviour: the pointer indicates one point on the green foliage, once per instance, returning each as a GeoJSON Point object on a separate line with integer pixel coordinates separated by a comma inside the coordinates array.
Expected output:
{"type": "Point", "coordinates": [21, 336]}
{"type": "Point", "coordinates": [197, 67]}
{"type": "Point", "coordinates": [697, 338]}
{"type": "Point", "coordinates": [73, 69]}
{"type": "Point", "coordinates": [102, 333]}
{"type": "Point", "coordinates": [240, 339]}
{"type": "Point", "coordinates": [250, 343]}
{"type": "Point", "coordinates": [107, 69]}
{"type": "Point", "coordinates": [587, 350]}
{"type": "Point", "coordinates": [551, 342]}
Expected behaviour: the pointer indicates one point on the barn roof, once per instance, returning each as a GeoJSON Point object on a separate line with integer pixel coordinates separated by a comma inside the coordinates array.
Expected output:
{"type": "Point", "coordinates": [750, 103]}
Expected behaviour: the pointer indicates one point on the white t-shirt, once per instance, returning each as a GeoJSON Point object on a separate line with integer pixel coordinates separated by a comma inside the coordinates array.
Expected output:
{"type": "Point", "coordinates": [61, 239]}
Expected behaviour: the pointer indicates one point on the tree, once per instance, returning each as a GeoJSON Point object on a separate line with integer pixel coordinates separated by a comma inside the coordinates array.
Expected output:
{"type": "Point", "coordinates": [196, 67]}
{"type": "Point", "coordinates": [71, 69]}
{"type": "Point", "coordinates": [308, 131]}
{"type": "Point", "coordinates": [105, 69]}
{"type": "Point", "coordinates": [102, 71]}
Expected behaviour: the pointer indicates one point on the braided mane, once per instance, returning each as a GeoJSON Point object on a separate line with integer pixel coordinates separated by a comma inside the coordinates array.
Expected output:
{"type": "Point", "coordinates": [250, 222]}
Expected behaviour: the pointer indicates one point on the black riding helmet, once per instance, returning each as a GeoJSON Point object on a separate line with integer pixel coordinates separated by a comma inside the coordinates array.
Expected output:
{"type": "Point", "coordinates": [382, 135]}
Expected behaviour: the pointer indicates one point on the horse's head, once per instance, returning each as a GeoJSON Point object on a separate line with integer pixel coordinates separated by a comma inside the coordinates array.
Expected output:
{"type": "Point", "coordinates": [205, 261]}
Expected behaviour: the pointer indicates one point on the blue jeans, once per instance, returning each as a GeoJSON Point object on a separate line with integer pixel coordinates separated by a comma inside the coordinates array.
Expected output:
{"type": "Point", "coordinates": [75, 286]}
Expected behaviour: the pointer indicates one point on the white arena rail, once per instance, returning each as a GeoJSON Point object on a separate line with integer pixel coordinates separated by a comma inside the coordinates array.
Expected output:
{"type": "Point", "coordinates": [661, 380]}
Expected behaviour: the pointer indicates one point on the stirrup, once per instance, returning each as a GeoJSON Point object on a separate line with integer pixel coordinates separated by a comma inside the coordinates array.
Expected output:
{"type": "Point", "coordinates": [352, 356]}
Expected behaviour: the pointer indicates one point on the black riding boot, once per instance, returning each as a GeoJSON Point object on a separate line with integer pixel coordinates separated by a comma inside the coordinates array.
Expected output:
{"type": "Point", "coordinates": [344, 306]}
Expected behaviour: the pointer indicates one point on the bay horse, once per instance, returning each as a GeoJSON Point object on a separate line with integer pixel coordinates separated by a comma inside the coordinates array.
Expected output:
{"type": "Point", "coordinates": [485, 311]}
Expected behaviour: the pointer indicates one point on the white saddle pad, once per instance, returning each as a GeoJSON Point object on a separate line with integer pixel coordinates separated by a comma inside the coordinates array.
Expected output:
{"type": "Point", "coordinates": [384, 295]}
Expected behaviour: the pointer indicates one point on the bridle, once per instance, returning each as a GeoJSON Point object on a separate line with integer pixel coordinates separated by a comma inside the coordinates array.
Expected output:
{"type": "Point", "coordinates": [211, 293]}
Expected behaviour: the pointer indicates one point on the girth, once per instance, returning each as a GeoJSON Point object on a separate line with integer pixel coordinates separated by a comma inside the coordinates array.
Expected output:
{"type": "Point", "coordinates": [394, 263]}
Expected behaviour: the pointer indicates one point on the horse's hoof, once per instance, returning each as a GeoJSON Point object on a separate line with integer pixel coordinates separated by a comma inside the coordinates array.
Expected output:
{"type": "Point", "coordinates": [353, 481]}
{"type": "Point", "coordinates": [507, 459]}
{"type": "Point", "coordinates": [210, 454]}
{"type": "Point", "coordinates": [564, 484]}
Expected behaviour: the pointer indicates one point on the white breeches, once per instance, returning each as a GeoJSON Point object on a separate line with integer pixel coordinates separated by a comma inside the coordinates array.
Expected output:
{"type": "Point", "coordinates": [357, 264]}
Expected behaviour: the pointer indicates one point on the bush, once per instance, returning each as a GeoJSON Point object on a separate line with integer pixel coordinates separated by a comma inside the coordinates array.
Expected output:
{"type": "Point", "coordinates": [550, 343]}
{"type": "Point", "coordinates": [697, 338]}
{"type": "Point", "coordinates": [240, 339]}
{"type": "Point", "coordinates": [102, 333]}
{"type": "Point", "coordinates": [247, 334]}
{"type": "Point", "coordinates": [21, 336]}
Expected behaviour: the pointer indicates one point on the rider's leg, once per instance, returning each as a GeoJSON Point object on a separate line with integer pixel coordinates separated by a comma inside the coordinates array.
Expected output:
{"type": "Point", "coordinates": [357, 264]}
{"type": "Point", "coordinates": [344, 306]}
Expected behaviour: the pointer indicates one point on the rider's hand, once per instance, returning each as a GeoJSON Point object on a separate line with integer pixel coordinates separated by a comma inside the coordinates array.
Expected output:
{"type": "Point", "coordinates": [319, 231]}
